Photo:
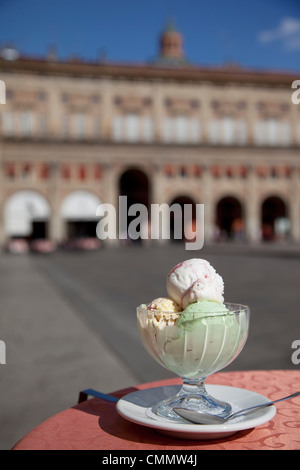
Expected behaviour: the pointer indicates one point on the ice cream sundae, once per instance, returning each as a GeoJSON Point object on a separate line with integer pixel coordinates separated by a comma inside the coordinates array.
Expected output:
{"type": "Point", "coordinates": [191, 331]}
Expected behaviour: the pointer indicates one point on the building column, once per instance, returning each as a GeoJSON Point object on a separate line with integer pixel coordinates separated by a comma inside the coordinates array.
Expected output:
{"type": "Point", "coordinates": [294, 209]}
{"type": "Point", "coordinates": [158, 112]}
{"type": "Point", "coordinates": [2, 204]}
{"type": "Point", "coordinates": [251, 118]}
{"type": "Point", "coordinates": [2, 234]}
{"type": "Point", "coordinates": [252, 209]}
{"type": "Point", "coordinates": [56, 223]}
{"type": "Point", "coordinates": [209, 206]}
{"type": "Point", "coordinates": [106, 111]}
{"type": "Point", "coordinates": [295, 137]}
{"type": "Point", "coordinates": [206, 115]}
{"type": "Point", "coordinates": [111, 182]}
{"type": "Point", "coordinates": [156, 197]}
{"type": "Point", "coordinates": [57, 229]}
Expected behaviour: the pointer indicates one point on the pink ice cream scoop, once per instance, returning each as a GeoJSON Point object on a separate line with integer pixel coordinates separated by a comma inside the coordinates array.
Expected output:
{"type": "Point", "coordinates": [192, 280]}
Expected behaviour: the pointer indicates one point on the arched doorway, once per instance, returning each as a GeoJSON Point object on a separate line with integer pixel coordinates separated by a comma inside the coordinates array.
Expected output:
{"type": "Point", "coordinates": [133, 184]}
{"type": "Point", "coordinates": [26, 215]}
{"type": "Point", "coordinates": [187, 227]}
{"type": "Point", "coordinates": [229, 219]}
{"type": "Point", "coordinates": [78, 209]}
{"type": "Point", "coordinates": [274, 219]}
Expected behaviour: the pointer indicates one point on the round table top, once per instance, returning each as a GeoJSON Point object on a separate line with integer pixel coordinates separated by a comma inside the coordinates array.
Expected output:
{"type": "Point", "coordinates": [95, 424]}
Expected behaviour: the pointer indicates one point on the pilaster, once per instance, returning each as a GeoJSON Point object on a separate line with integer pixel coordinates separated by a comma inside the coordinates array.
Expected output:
{"type": "Point", "coordinates": [252, 210]}
{"type": "Point", "coordinates": [295, 205]}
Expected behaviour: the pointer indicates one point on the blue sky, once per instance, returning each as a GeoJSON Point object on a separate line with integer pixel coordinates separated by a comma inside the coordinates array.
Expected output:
{"type": "Point", "coordinates": [262, 34]}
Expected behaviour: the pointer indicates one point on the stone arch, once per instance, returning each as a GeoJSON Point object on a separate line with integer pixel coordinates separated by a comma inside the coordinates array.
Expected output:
{"type": "Point", "coordinates": [230, 218]}
{"type": "Point", "coordinates": [78, 210]}
{"type": "Point", "coordinates": [134, 183]}
{"type": "Point", "coordinates": [275, 222]}
{"type": "Point", "coordinates": [26, 215]}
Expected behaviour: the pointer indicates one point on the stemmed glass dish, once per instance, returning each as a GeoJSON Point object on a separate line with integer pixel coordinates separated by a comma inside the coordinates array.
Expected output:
{"type": "Point", "coordinates": [194, 350]}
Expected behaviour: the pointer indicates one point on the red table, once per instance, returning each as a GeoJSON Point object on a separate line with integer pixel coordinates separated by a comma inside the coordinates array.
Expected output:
{"type": "Point", "coordinates": [95, 423]}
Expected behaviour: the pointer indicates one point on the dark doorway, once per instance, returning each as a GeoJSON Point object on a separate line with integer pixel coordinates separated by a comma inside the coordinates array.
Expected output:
{"type": "Point", "coordinates": [182, 201]}
{"type": "Point", "coordinates": [273, 210]}
{"type": "Point", "coordinates": [81, 229]}
{"type": "Point", "coordinates": [229, 218]}
{"type": "Point", "coordinates": [134, 185]}
{"type": "Point", "coordinates": [39, 230]}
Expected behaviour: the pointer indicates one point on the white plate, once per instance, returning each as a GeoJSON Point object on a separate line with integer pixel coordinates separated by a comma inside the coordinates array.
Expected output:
{"type": "Point", "coordinates": [136, 407]}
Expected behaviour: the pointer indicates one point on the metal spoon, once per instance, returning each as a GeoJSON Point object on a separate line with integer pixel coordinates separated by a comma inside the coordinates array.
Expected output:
{"type": "Point", "coordinates": [201, 417]}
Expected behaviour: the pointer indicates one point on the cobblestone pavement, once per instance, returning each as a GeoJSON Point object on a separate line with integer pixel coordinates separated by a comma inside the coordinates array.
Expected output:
{"type": "Point", "coordinates": [68, 320]}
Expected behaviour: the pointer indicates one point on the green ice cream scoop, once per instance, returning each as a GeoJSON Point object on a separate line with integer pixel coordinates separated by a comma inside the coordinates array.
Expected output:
{"type": "Point", "coordinates": [196, 312]}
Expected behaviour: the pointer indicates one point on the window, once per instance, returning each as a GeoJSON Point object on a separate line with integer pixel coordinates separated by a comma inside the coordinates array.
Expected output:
{"type": "Point", "coordinates": [95, 99]}
{"type": "Point", "coordinates": [117, 100]}
{"type": "Point", "coordinates": [10, 170]}
{"type": "Point", "coordinates": [228, 131]}
{"type": "Point", "coordinates": [227, 125]}
{"type": "Point", "coordinates": [180, 125]}
{"type": "Point", "coordinates": [127, 128]}
{"type": "Point", "coordinates": [26, 170]}
{"type": "Point", "coordinates": [197, 171]}
{"type": "Point", "coordinates": [45, 171]}
{"type": "Point", "coordinates": [272, 132]}
{"type": "Point", "coordinates": [132, 127]}
{"type": "Point", "coordinates": [82, 174]}
{"type": "Point", "coordinates": [182, 172]}
{"type": "Point", "coordinates": [169, 171]}
{"type": "Point", "coordinates": [42, 96]}
{"type": "Point", "coordinates": [181, 129]}
{"type": "Point", "coordinates": [26, 123]}
{"type": "Point", "coordinates": [66, 172]}
{"type": "Point", "coordinates": [8, 123]}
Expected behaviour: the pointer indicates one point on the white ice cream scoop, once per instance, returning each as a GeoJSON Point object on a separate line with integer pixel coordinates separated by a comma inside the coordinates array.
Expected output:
{"type": "Point", "coordinates": [192, 280]}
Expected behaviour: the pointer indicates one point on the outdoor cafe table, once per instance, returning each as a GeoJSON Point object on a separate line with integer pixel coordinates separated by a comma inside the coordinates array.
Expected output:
{"type": "Point", "coordinates": [95, 424]}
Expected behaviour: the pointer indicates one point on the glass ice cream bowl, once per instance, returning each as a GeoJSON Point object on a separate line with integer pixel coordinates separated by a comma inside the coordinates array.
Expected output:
{"type": "Point", "coordinates": [193, 350]}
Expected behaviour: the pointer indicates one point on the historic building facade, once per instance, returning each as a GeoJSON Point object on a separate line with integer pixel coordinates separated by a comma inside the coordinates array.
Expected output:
{"type": "Point", "coordinates": [76, 134]}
